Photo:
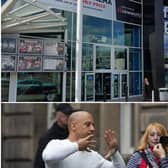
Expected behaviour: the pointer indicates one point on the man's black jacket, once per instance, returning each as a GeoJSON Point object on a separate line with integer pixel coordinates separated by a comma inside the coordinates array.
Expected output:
{"type": "Point", "coordinates": [55, 132]}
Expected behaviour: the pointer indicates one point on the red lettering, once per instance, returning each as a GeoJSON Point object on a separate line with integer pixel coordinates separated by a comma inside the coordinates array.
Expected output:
{"type": "Point", "coordinates": [100, 5]}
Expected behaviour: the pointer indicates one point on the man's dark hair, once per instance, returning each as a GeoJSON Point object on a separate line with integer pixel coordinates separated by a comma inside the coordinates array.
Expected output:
{"type": "Point", "coordinates": [64, 108]}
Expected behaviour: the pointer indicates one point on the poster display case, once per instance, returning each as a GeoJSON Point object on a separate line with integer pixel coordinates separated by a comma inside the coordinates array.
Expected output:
{"type": "Point", "coordinates": [29, 63]}
{"type": "Point", "coordinates": [26, 54]}
{"type": "Point", "coordinates": [30, 46]}
{"type": "Point", "coordinates": [53, 48]}
{"type": "Point", "coordinates": [8, 63]}
{"type": "Point", "coordinates": [53, 64]}
{"type": "Point", "coordinates": [9, 46]}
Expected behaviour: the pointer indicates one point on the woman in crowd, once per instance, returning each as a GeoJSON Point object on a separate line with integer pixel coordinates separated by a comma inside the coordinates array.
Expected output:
{"type": "Point", "coordinates": [144, 157]}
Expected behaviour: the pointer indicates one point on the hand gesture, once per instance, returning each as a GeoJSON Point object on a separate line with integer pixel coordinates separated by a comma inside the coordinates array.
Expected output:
{"type": "Point", "coordinates": [111, 141]}
{"type": "Point", "coordinates": [86, 143]}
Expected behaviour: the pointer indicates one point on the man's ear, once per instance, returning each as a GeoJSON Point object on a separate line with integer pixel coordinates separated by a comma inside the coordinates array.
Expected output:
{"type": "Point", "coordinates": [73, 126]}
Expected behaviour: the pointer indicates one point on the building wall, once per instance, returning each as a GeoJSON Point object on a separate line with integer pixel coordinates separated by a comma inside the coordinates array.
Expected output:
{"type": "Point", "coordinates": [21, 125]}
{"type": "Point", "coordinates": [153, 51]}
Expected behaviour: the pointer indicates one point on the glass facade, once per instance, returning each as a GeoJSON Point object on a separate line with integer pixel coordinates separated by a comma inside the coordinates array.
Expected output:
{"type": "Point", "coordinates": [111, 63]}
{"type": "Point", "coordinates": [103, 58]}
{"type": "Point", "coordinates": [39, 87]}
{"type": "Point", "coordinates": [127, 35]}
{"type": "Point", "coordinates": [87, 57]}
{"type": "Point", "coordinates": [120, 58]}
{"type": "Point", "coordinates": [97, 30]}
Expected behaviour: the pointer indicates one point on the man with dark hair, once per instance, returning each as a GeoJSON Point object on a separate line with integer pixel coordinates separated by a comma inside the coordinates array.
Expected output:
{"type": "Point", "coordinates": [58, 130]}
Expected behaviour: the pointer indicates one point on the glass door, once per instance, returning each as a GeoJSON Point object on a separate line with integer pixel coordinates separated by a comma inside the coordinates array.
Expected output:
{"type": "Point", "coordinates": [119, 85]}
{"type": "Point", "coordinates": [102, 86]}
{"type": "Point", "coordinates": [115, 86]}
{"type": "Point", "coordinates": [89, 87]}
{"type": "Point", "coordinates": [124, 86]}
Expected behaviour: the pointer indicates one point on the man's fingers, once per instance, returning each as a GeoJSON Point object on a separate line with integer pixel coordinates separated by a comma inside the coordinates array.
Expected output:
{"type": "Point", "coordinates": [91, 145]}
{"type": "Point", "coordinates": [89, 137]}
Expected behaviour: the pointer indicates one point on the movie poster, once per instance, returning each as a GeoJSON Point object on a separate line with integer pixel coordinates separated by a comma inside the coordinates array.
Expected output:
{"type": "Point", "coordinates": [29, 63]}
{"type": "Point", "coordinates": [9, 46]}
{"type": "Point", "coordinates": [30, 46]}
{"type": "Point", "coordinates": [53, 48]}
{"type": "Point", "coordinates": [8, 63]}
{"type": "Point", "coordinates": [53, 64]}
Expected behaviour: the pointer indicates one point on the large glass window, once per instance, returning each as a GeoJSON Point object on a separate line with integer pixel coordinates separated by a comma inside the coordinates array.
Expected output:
{"type": "Point", "coordinates": [135, 61]}
{"type": "Point", "coordinates": [70, 86]}
{"type": "Point", "coordinates": [97, 30]}
{"type": "Point", "coordinates": [135, 83]}
{"type": "Point", "coordinates": [73, 56]}
{"type": "Point", "coordinates": [126, 34]}
{"type": "Point", "coordinates": [120, 58]}
{"type": "Point", "coordinates": [68, 58]}
{"type": "Point", "coordinates": [74, 26]}
{"type": "Point", "coordinates": [103, 57]}
{"type": "Point", "coordinates": [5, 78]}
{"type": "Point", "coordinates": [39, 86]}
{"type": "Point", "coordinates": [166, 46]}
{"type": "Point", "coordinates": [87, 57]}
{"type": "Point", "coordinates": [68, 16]}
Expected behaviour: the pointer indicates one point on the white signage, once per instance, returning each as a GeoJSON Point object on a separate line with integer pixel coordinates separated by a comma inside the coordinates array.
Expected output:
{"type": "Point", "coordinates": [97, 8]}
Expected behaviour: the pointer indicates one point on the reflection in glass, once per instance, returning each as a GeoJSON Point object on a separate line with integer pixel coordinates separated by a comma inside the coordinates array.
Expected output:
{"type": "Point", "coordinates": [39, 86]}
{"type": "Point", "coordinates": [73, 56]}
{"type": "Point", "coordinates": [126, 34]}
{"type": "Point", "coordinates": [120, 58]}
{"type": "Point", "coordinates": [166, 45]}
{"type": "Point", "coordinates": [102, 86]}
{"type": "Point", "coordinates": [123, 85]}
{"type": "Point", "coordinates": [97, 30]}
{"type": "Point", "coordinates": [116, 86]}
{"type": "Point", "coordinates": [135, 61]}
{"type": "Point", "coordinates": [103, 57]}
{"type": "Point", "coordinates": [135, 83]}
{"type": "Point", "coordinates": [89, 87]}
{"type": "Point", "coordinates": [5, 78]}
{"type": "Point", "coordinates": [70, 86]}
{"type": "Point", "coordinates": [87, 57]}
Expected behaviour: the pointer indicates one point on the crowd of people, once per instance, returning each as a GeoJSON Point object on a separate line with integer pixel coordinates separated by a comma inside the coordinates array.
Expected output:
{"type": "Point", "coordinates": [70, 143]}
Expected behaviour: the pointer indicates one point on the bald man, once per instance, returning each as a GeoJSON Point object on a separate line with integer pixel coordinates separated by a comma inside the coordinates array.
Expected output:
{"type": "Point", "coordinates": [77, 151]}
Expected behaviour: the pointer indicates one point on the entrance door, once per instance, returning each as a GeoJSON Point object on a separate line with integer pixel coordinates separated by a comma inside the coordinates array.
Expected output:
{"type": "Point", "coordinates": [89, 87]}
{"type": "Point", "coordinates": [119, 85]}
{"type": "Point", "coordinates": [102, 86]}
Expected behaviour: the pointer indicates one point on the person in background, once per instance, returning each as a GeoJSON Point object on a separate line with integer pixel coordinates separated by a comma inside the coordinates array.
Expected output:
{"type": "Point", "coordinates": [77, 150]}
{"type": "Point", "coordinates": [58, 130]}
{"type": "Point", "coordinates": [147, 90]}
{"type": "Point", "coordinates": [160, 152]}
{"type": "Point", "coordinates": [144, 156]}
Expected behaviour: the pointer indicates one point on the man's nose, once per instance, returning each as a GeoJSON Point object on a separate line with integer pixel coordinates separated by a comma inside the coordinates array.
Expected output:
{"type": "Point", "coordinates": [92, 128]}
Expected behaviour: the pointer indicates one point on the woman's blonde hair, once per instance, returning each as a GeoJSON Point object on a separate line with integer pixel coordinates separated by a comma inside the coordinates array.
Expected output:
{"type": "Point", "coordinates": [144, 140]}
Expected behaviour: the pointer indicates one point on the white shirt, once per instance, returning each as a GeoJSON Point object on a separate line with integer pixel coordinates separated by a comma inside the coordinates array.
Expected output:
{"type": "Point", "coordinates": [65, 154]}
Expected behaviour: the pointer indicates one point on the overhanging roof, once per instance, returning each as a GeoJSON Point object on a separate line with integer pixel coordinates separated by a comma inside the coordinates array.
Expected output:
{"type": "Point", "coordinates": [28, 16]}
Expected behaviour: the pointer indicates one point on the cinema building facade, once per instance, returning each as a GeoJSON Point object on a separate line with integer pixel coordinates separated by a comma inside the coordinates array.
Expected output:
{"type": "Point", "coordinates": [119, 48]}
